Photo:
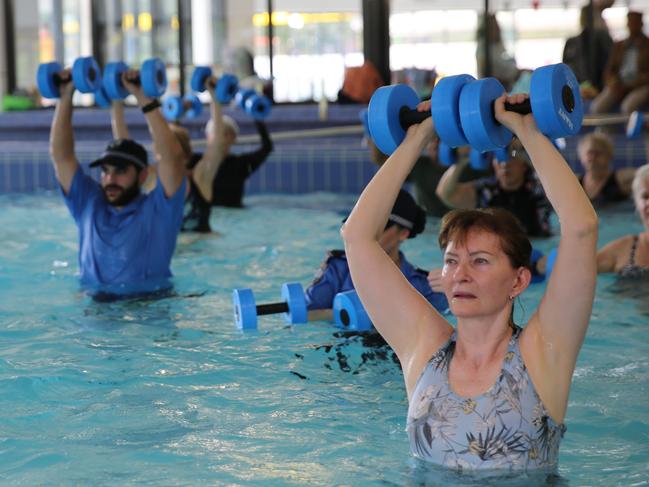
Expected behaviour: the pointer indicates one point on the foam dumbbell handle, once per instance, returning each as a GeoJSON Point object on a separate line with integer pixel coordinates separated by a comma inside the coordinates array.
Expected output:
{"type": "Point", "coordinates": [349, 312]}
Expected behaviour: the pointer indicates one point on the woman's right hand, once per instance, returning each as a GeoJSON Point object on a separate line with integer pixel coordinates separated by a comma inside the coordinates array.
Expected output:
{"type": "Point", "coordinates": [66, 88]}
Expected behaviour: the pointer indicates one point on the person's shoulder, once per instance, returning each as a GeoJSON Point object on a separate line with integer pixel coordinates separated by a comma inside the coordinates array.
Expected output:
{"type": "Point", "coordinates": [334, 254]}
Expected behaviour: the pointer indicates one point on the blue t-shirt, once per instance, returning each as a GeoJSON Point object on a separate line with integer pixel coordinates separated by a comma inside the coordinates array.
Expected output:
{"type": "Point", "coordinates": [335, 278]}
{"type": "Point", "coordinates": [125, 251]}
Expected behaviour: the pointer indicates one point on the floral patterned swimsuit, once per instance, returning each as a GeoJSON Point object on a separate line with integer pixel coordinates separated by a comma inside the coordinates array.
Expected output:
{"type": "Point", "coordinates": [507, 427]}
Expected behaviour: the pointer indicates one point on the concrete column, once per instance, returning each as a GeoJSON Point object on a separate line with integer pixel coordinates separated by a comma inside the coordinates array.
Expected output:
{"type": "Point", "coordinates": [376, 35]}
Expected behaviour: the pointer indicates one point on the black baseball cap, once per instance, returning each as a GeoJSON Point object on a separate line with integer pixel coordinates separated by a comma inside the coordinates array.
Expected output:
{"type": "Point", "coordinates": [122, 152]}
{"type": "Point", "coordinates": [407, 214]}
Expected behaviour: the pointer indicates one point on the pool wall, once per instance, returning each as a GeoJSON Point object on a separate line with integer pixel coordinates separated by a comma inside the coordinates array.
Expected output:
{"type": "Point", "coordinates": [335, 164]}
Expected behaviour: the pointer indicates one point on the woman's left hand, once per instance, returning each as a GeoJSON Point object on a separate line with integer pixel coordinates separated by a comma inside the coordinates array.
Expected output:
{"type": "Point", "coordinates": [512, 120]}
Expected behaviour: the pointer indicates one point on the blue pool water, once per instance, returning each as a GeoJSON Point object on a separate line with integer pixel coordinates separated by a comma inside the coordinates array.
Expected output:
{"type": "Point", "coordinates": [169, 393]}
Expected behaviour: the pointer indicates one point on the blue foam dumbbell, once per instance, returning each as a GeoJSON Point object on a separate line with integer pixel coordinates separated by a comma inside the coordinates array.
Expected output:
{"type": "Point", "coordinates": [152, 77]}
{"type": "Point", "coordinates": [175, 107]}
{"type": "Point", "coordinates": [463, 111]}
{"type": "Point", "coordinates": [86, 77]}
{"type": "Point", "coordinates": [225, 87]}
{"type": "Point", "coordinates": [293, 305]}
{"type": "Point", "coordinates": [555, 101]}
{"type": "Point", "coordinates": [349, 312]}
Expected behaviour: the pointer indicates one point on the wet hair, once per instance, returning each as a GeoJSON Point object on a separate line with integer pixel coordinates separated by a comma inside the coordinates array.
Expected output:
{"type": "Point", "coordinates": [641, 175]}
{"type": "Point", "coordinates": [457, 224]}
{"type": "Point", "coordinates": [598, 139]}
{"type": "Point", "coordinates": [182, 135]}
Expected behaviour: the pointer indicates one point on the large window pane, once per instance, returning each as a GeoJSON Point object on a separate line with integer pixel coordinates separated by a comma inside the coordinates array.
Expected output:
{"type": "Point", "coordinates": [313, 42]}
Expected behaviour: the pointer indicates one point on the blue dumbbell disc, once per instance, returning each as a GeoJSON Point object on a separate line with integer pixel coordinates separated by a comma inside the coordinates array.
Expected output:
{"type": "Point", "coordinates": [245, 309]}
{"type": "Point", "coordinates": [112, 80]}
{"type": "Point", "coordinates": [293, 295]}
{"type": "Point", "coordinates": [227, 88]}
{"type": "Point", "coordinates": [86, 75]}
{"type": "Point", "coordinates": [349, 312]}
{"type": "Point", "coordinates": [101, 98]}
{"type": "Point", "coordinates": [502, 154]}
{"type": "Point", "coordinates": [479, 160]}
{"type": "Point", "coordinates": [172, 108]}
{"type": "Point", "coordinates": [196, 106]}
{"type": "Point", "coordinates": [153, 76]}
{"type": "Point", "coordinates": [480, 126]}
{"type": "Point", "coordinates": [445, 109]}
{"type": "Point", "coordinates": [635, 125]}
{"type": "Point", "coordinates": [241, 96]}
{"type": "Point", "coordinates": [445, 154]}
{"type": "Point", "coordinates": [362, 116]}
{"type": "Point", "coordinates": [46, 76]}
{"type": "Point", "coordinates": [556, 101]}
{"type": "Point", "coordinates": [383, 115]}
{"type": "Point", "coordinates": [199, 77]}
{"type": "Point", "coordinates": [258, 107]}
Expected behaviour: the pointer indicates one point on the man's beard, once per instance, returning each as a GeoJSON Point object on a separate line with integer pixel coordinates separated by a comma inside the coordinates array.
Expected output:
{"type": "Point", "coordinates": [126, 195]}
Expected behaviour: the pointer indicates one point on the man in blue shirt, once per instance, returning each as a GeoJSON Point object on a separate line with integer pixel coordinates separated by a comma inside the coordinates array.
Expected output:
{"type": "Point", "coordinates": [406, 220]}
{"type": "Point", "coordinates": [126, 238]}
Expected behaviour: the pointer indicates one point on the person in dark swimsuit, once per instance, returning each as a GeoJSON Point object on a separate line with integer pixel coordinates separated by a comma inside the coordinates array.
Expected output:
{"type": "Point", "coordinates": [514, 187]}
{"type": "Point", "coordinates": [601, 182]}
{"type": "Point", "coordinates": [628, 256]}
{"type": "Point", "coordinates": [228, 184]}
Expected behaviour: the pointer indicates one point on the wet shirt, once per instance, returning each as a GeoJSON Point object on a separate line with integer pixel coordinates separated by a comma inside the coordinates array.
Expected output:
{"type": "Point", "coordinates": [124, 251]}
{"type": "Point", "coordinates": [507, 427]}
{"type": "Point", "coordinates": [228, 185]}
{"type": "Point", "coordinates": [528, 203]}
{"type": "Point", "coordinates": [334, 278]}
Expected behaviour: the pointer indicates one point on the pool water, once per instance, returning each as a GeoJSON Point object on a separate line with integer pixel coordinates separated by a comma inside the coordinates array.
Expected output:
{"type": "Point", "coordinates": [168, 392]}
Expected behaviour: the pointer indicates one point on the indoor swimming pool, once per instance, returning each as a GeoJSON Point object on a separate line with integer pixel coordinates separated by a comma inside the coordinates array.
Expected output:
{"type": "Point", "coordinates": [168, 392]}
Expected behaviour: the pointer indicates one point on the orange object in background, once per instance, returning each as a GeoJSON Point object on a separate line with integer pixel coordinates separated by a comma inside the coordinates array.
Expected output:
{"type": "Point", "coordinates": [361, 82]}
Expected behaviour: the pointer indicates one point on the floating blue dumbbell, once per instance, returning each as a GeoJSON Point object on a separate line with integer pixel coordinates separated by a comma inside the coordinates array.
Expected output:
{"type": "Point", "coordinates": [349, 312]}
{"type": "Point", "coordinates": [225, 87]}
{"type": "Point", "coordinates": [293, 305]}
{"type": "Point", "coordinates": [153, 78]}
{"type": "Point", "coordinates": [255, 105]}
{"type": "Point", "coordinates": [86, 77]}
{"type": "Point", "coordinates": [175, 107]}
{"type": "Point", "coordinates": [463, 110]}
